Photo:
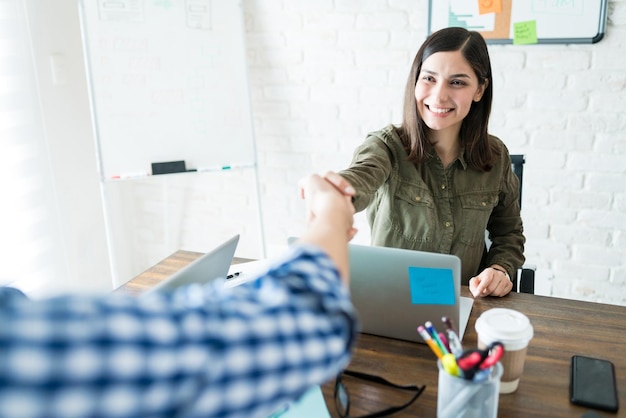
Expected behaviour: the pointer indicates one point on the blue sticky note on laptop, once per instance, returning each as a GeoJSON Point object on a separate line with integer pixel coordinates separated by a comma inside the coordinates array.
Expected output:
{"type": "Point", "coordinates": [431, 286]}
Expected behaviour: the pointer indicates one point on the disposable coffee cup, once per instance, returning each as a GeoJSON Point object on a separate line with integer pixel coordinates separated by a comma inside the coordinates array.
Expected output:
{"type": "Point", "coordinates": [514, 330]}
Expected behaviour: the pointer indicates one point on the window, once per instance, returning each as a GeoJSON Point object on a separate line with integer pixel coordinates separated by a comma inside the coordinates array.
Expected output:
{"type": "Point", "coordinates": [31, 246]}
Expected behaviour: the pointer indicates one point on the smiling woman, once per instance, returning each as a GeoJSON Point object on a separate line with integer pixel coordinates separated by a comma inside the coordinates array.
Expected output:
{"type": "Point", "coordinates": [439, 180]}
{"type": "Point", "coordinates": [30, 237]}
{"type": "Point", "coordinates": [445, 91]}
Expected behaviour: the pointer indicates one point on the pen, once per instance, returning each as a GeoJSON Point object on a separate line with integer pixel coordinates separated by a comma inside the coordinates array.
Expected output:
{"type": "Point", "coordinates": [431, 343]}
{"type": "Point", "coordinates": [433, 332]}
{"type": "Point", "coordinates": [454, 342]}
{"type": "Point", "coordinates": [444, 340]}
{"type": "Point", "coordinates": [446, 320]}
{"type": "Point", "coordinates": [456, 347]}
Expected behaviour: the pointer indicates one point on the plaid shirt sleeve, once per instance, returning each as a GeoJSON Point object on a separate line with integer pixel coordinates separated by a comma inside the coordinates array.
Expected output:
{"type": "Point", "coordinates": [202, 351]}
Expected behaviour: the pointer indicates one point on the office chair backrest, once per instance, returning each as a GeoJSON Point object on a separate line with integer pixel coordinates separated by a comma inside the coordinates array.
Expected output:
{"type": "Point", "coordinates": [527, 274]}
{"type": "Point", "coordinates": [517, 162]}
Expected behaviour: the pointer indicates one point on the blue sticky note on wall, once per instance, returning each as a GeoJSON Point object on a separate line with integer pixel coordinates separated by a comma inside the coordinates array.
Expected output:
{"type": "Point", "coordinates": [431, 286]}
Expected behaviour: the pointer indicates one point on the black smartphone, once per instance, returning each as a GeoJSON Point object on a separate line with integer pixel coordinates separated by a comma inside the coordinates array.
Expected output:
{"type": "Point", "coordinates": [592, 383]}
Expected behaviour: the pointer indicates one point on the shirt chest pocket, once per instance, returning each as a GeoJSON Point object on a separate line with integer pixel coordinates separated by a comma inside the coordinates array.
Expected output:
{"type": "Point", "coordinates": [414, 195]}
{"type": "Point", "coordinates": [475, 212]}
{"type": "Point", "coordinates": [413, 215]}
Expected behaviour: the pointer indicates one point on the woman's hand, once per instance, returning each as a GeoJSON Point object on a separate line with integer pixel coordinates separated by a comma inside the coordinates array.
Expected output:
{"type": "Point", "coordinates": [492, 281]}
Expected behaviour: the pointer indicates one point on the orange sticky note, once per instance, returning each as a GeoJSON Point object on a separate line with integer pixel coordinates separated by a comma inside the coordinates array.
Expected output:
{"type": "Point", "coordinates": [489, 6]}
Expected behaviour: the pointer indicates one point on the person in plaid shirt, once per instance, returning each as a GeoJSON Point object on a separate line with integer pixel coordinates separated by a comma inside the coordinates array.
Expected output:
{"type": "Point", "coordinates": [200, 351]}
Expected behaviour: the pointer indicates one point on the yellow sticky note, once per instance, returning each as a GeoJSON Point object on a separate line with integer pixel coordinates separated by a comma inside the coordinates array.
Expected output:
{"type": "Point", "coordinates": [525, 33]}
{"type": "Point", "coordinates": [489, 6]}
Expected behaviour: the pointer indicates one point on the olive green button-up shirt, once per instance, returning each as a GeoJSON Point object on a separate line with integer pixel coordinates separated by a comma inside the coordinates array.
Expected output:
{"type": "Point", "coordinates": [428, 207]}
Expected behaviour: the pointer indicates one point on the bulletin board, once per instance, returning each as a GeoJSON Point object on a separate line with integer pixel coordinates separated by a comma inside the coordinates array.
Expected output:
{"type": "Point", "coordinates": [168, 82]}
{"type": "Point", "coordinates": [524, 22]}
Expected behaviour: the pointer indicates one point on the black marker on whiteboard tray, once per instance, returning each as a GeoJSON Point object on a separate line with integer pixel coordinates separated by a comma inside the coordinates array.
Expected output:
{"type": "Point", "coordinates": [169, 167]}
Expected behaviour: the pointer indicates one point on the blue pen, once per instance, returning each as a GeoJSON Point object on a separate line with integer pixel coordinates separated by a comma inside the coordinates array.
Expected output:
{"type": "Point", "coordinates": [433, 332]}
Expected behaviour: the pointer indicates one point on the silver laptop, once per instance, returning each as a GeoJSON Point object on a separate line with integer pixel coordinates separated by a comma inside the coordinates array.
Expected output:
{"type": "Point", "coordinates": [212, 265]}
{"type": "Point", "coordinates": [396, 290]}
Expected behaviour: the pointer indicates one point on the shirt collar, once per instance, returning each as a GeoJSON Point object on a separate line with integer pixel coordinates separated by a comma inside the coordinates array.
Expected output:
{"type": "Point", "coordinates": [461, 157]}
{"type": "Point", "coordinates": [431, 153]}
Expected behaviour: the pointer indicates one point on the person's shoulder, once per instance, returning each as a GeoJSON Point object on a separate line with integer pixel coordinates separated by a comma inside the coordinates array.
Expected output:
{"type": "Point", "coordinates": [501, 149]}
{"type": "Point", "coordinates": [497, 142]}
{"type": "Point", "coordinates": [388, 136]}
{"type": "Point", "coordinates": [388, 133]}
{"type": "Point", "coordinates": [10, 294]}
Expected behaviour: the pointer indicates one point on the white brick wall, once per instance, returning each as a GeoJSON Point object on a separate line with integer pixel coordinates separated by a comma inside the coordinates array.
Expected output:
{"type": "Point", "coordinates": [324, 73]}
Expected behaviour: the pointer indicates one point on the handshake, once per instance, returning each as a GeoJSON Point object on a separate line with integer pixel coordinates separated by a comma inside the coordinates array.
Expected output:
{"type": "Point", "coordinates": [330, 216]}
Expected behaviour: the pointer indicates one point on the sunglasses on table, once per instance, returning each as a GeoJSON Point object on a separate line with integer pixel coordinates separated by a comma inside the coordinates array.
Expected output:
{"type": "Point", "coordinates": [342, 396]}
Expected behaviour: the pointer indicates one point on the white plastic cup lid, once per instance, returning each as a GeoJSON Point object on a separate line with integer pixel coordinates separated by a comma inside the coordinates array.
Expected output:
{"type": "Point", "coordinates": [508, 326]}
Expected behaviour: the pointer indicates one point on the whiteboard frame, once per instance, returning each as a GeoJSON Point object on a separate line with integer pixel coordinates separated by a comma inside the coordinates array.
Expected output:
{"type": "Point", "coordinates": [440, 6]}
{"type": "Point", "coordinates": [220, 146]}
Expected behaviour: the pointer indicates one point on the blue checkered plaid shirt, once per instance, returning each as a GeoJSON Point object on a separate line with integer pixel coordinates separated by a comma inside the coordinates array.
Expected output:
{"type": "Point", "coordinates": [198, 352]}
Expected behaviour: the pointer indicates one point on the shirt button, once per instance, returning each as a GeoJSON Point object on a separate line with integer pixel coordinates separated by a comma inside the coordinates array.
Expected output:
{"type": "Point", "coordinates": [447, 224]}
{"type": "Point", "coordinates": [484, 203]}
{"type": "Point", "coordinates": [417, 198]}
{"type": "Point", "coordinates": [443, 186]}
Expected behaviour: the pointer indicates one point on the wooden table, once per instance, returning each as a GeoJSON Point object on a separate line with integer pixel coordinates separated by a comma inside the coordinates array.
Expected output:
{"type": "Point", "coordinates": [562, 328]}
{"type": "Point", "coordinates": [162, 270]}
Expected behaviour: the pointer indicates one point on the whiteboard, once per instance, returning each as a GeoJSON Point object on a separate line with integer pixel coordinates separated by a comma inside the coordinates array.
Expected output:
{"type": "Point", "coordinates": [168, 82]}
{"type": "Point", "coordinates": [508, 21]}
